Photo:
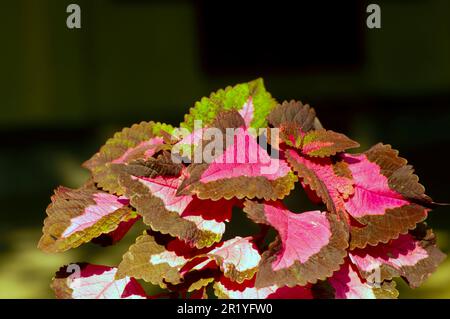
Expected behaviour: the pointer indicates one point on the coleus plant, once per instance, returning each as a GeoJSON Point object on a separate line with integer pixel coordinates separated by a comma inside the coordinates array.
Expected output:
{"type": "Point", "coordinates": [368, 229]}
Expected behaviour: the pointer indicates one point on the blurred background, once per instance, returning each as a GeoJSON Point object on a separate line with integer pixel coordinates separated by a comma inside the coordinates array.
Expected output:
{"type": "Point", "coordinates": [63, 92]}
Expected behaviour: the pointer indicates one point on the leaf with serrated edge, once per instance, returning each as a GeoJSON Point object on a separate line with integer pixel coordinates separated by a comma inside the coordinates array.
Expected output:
{"type": "Point", "coordinates": [200, 223]}
{"type": "Point", "coordinates": [233, 98]}
{"type": "Point", "coordinates": [387, 200]}
{"type": "Point", "coordinates": [310, 246]}
{"type": "Point", "coordinates": [244, 169]}
{"type": "Point", "coordinates": [77, 216]}
{"type": "Point", "coordinates": [413, 256]}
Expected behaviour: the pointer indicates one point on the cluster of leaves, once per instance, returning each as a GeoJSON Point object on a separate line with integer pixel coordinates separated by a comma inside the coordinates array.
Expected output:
{"type": "Point", "coordinates": [371, 221]}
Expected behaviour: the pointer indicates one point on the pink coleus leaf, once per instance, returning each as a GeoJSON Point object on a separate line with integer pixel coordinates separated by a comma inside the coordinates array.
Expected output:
{"type": "Point", "coordinates": [200, 223]}
{"type": "Point", "coordinates": [413, 256]}
{"type": "Point", "coordinates": [225, 288]}
{"type": "Point", "coordinates": [87, 281]}
{"type": "Point", "coordinates": [310, 246]}
{"type": "Point", "coordinates": [348, 284]}
{"type": "Point", "coordinates": [332, 182]}
{"type": "Point", "coordinates": [243, 169]}
{"type": "Point", "coordinates": [387, 199]}
{"type": "Point", "coordinates": [141, 141]}
{"type": "Point", "coordinates": [77, 216]}
{"type": "Point", "coordinates": [236, 161]}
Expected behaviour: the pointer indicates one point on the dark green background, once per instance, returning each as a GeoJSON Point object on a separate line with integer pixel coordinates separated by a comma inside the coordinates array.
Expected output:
{"type": "Point", "coordinates": [63, 92]}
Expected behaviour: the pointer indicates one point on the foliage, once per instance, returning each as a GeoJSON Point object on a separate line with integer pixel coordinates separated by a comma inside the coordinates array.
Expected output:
{"type": "Point", "coordinates": [369, 227]}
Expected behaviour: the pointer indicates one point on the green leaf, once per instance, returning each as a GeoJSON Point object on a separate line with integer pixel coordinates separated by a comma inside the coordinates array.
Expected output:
{"type": "Point", "coordinates": [150, 260]}
{"type": "Point", "coordinates": [232, 98]}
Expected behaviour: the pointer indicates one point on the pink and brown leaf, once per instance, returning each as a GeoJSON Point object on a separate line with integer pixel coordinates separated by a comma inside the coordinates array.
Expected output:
{"type": "Point", "coordinates": [310, 246]}
{"type": "Point", "coordinates": [387, 201]}
{"type": "Point", "coordinates": [76, 216]}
